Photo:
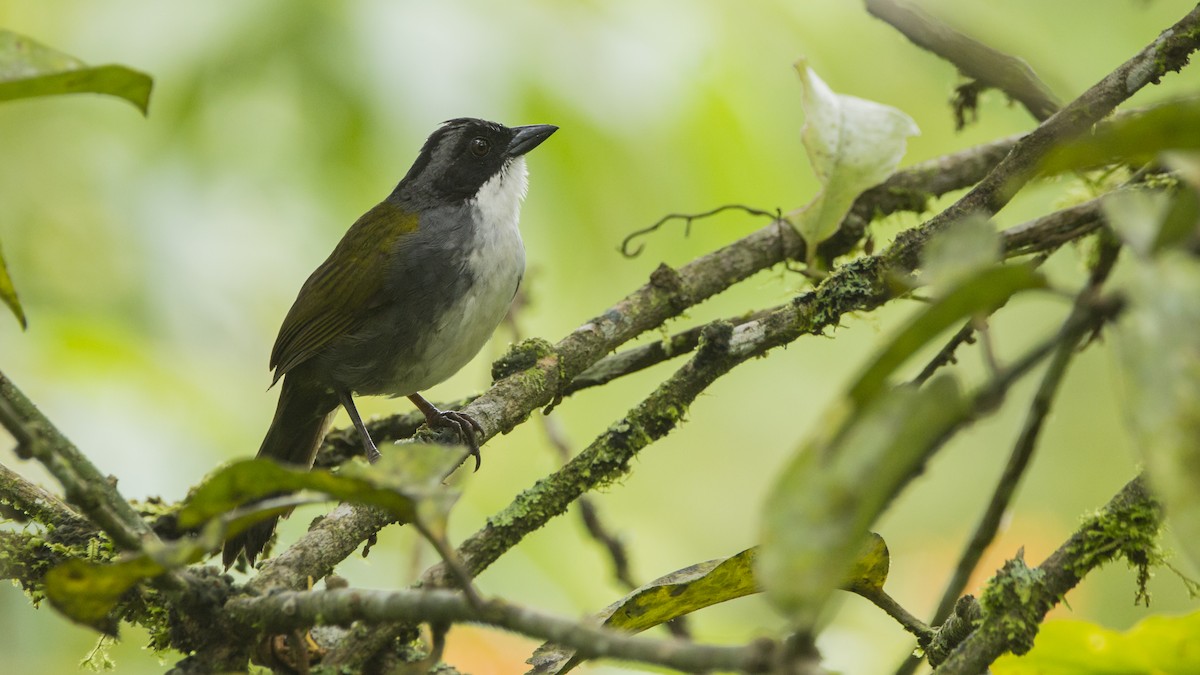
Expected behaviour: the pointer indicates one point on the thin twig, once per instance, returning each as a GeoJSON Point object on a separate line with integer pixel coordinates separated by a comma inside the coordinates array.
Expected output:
{"type": "Point", "coordinates": [688, 219]}
{"type": "Point", "coordinates": [919, 629]}
{"type": "Point", "coordinates": [636, 359]}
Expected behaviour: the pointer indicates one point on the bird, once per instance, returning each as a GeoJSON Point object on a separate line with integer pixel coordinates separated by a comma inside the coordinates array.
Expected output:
{"type": "Point", "coordinates": [410, 294]}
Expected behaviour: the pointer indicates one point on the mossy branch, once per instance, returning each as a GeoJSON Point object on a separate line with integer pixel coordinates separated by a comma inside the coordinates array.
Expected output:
{"type": "Point", "coordinates": [1018, 598]}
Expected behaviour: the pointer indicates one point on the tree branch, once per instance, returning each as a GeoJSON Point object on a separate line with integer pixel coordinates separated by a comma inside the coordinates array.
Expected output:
{"type": "Point", "coordinates": [988, 66]}
{"type": "Point", "coordinates": [1168, 53]}
{"type": "Point", "coordinates": [33, 502]}
{"type": "Point", "coordinates": [1127, 527]}
{"type": "Point", "coordinates": [288, 610]}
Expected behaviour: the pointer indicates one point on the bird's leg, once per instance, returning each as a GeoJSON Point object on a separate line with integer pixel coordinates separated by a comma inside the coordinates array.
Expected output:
{"type": "Point", "coordinates": [369, 448]}
{"type": "Point", "coordinates": [464, 424]}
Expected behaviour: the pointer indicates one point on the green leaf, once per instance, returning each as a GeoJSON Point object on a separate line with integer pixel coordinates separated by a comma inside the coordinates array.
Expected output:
{"type": "Point", "coordinates": [870, 569]}
{"type": "Point", "coordinates": [959, 252]}
{"type": "Point", "coordinates": [703, 585]}
{"type": "Point", "coordinates": [1136, 216]}
{"type": "Point", "coordinates": [1157, 644]}
{"type": "Point", "coordinates": [1160, 363]}
{"type": "Point", "coordinates": [852, 144]}
{"type": "Point", "coordinates": [29, 69]}
{"type": "Point", "coordinates": [86, 591]}
{"type": "Point", "coordinates": [817, 515]}
{"type": "Point", "coordinates": [683, 592]}
{"type": "Point", "coordinates": [400, 482]}
{"type": "Point", "coordinates": [982, 291]}
{"type": "Point", "coordinates": [1135, 139]}
{"type": "Point", "coordinates": [9, 294]}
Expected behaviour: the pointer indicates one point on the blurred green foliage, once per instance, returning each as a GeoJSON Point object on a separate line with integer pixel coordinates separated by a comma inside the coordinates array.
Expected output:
{"type": "Point", "coordinates": [156, 257]}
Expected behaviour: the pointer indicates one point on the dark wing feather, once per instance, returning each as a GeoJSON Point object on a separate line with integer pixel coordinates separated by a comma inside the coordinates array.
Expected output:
{"type": "Point", "coordinates": [340, 293]}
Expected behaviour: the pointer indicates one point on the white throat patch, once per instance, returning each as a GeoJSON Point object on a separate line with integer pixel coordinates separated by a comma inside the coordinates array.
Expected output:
{"type": "Point", "coordinates": [499, 200]}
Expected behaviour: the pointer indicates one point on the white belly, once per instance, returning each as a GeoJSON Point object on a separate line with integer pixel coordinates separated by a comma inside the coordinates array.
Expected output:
{"type": "Point", "coordinates": [497, 263]}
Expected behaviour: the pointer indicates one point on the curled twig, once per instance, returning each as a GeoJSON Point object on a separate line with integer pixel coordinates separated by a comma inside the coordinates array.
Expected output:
{"type": "Point", "coordinates": [687, 219]}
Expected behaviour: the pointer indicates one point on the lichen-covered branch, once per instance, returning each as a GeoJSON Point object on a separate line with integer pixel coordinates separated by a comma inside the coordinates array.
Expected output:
{"type": "Point", "coordinates": [24, 501]}
{"type": "Point", "coordinates": [290, 610]}
{"type": "Point", "coordinates": [1018, 598]}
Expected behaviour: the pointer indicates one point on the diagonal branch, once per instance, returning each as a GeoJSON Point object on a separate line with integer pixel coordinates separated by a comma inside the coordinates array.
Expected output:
{"type": "Point", "coordinates": [1127, 527]}
{"type": "Point", "coordinates": [33, 502]}
{"type": "Point", "coordinates": [988, 66]}
{"type": "Point", "coordinates": [1168, 53]}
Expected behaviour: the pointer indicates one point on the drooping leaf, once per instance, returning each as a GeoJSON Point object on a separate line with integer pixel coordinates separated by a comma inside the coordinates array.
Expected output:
{"type": "Point", "coordinates": [870, 569]}
{"type": "Point", "coordinates": [1157, 644]}
{"type": "Point", "coordinates": [955, 254]}
{"type": "Point", "coordinates": [86, 591]}
{"type": "Point", "coordinates": [980, 292]}
{"type": "Point", "coordinates": [683, 592]}
{"type": "Point", "coordinates": [29, 69]}
{"type": "Point", "coordinates": [817, 515]}
{"type": "Point", "coordinates": [398, 483]}
{"type": "Point", "coordinates": [852, 144]}
{"type": "Point", "coordinates": [8, 294]}
{"type": "Point", "coordinates": [1130, 139]}
{"type": "Point", "coordinates": [1136, 216]}
{"type": "Point", "coordinates": [1160, 362]}
{"type": "Point", "coordinates": [698, 586]}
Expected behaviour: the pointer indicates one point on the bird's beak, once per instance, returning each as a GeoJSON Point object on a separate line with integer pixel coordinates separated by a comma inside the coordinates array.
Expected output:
{"type": "Point", "coordinates": [529, 137]}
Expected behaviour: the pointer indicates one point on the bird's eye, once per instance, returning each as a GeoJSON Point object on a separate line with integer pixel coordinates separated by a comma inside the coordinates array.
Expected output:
{"type": "Point", "coordinates": [480, 146]}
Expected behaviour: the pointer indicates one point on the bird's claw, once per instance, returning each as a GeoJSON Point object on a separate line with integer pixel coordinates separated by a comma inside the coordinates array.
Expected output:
{"type": "Point", "coordinates": [465, 425]}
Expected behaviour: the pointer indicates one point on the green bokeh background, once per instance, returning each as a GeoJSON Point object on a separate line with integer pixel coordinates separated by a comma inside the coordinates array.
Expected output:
{"type": "Point", "coordinates": [156, 257]}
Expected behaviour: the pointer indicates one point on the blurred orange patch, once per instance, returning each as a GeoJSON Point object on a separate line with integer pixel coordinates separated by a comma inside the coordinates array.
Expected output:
{"type": "Point", "coordinates": [487, 651]}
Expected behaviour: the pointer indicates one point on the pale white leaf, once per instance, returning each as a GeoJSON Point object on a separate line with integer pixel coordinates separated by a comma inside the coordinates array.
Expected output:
{"type": "Point", "coordinates": [852, 144]}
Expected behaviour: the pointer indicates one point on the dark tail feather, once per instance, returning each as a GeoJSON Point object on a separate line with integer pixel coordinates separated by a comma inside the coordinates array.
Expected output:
{"type": "Point", "coordinates": [301, 419]}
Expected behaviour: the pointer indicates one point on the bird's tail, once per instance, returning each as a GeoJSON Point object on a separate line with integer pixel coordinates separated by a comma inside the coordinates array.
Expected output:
{"type": "Point", "coordinates": [301, 420]}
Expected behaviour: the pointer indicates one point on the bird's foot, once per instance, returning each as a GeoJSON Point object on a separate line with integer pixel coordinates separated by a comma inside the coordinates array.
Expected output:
{"type": "Point", "coordinates": [464, 424]}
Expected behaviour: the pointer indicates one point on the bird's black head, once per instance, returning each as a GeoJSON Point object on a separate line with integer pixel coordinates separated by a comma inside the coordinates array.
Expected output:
{"type": "Point", "coordinates": [463, 154]}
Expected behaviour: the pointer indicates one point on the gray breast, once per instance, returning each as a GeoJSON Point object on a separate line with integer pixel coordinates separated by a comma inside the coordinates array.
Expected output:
{"type": "Point", "coordinates": [449, 285]}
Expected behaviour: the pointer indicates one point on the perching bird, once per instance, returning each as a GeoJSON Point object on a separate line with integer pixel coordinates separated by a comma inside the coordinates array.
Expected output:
{"type": "Point", "coordinates": [410, 294]}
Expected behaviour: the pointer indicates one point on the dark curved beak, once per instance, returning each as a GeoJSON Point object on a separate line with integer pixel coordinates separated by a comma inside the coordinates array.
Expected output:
{"type": "Point", "coordinates": [528, 138]}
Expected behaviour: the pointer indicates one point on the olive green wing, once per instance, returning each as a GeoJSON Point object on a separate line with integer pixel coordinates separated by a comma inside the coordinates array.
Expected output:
{"type": "Point", "coordinates": [340, 293]}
